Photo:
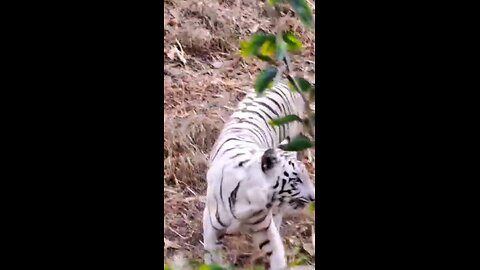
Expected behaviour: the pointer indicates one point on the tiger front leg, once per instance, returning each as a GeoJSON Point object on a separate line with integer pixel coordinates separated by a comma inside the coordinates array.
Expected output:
{"type": "Point", "coordinates": [212, 239]}
{"type": "Point", "coordinates": [277, 218]}
{"type": "Point", "coordinates": [255, 202]}
{"type": "Point", "coordinates": [267, 237]}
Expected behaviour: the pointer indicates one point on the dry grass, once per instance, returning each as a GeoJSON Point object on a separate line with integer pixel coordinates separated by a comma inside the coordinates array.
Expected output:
{"type": "Point", "coordinates": [204, 80]}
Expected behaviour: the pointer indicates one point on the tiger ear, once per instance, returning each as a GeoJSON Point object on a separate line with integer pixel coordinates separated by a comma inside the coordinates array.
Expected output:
{"type": "Point", "coordinates": [285, 141]}
{"type": "Point", "coordinates": [269, 160]}
{"type": "Point", "coordinates": [283, 144]}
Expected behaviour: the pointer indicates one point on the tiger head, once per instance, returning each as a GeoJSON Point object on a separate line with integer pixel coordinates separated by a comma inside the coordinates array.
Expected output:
{"type": "Point", "coordinates": [288, 178]}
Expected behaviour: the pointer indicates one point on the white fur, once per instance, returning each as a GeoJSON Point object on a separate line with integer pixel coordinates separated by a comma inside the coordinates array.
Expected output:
{"type": "Point", "coordinates": [255, 186]}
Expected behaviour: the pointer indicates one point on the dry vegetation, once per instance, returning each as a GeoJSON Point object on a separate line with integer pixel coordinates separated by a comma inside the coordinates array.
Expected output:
{"type": "Point", "coordinates": [204, 79]}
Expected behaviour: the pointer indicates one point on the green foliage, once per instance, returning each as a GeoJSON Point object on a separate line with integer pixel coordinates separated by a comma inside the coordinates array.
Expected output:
{"type": "Point", "coordinates": [311, 207]}
{"type": "Point", "coordinates": [301, 260]}
{"type": "Point", "coordinates": [293, 43]}
{"type": "Point", "coordinates": [260, 45]}
{"type": "Point", "coordinates": [285, 120]}
{"type": "Point", "coordinates": [265, 79]}
{"type": "Point", "coordinates": [298, 143]}
{"type": "Point", "coordinates": [211, 267]}
{"type": "Point", "coordinates": [268, 47]}
{"type": "Point", "coordinates": [274, 2]}
{"type": "Point", "coordinates": [166, 267]}
{"type": "Point", "coordinates": [303, 11]}
{"type": "Point", "coordinates": [303, 84]}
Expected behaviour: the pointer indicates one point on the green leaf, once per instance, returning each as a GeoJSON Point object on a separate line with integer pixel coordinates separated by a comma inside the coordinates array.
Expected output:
{"type": "Point", "coordinates": [268, 48]}
{"type": "Point", "coordinates": [302, 260]}
{"type": "Point", "coordinates": [166, 267]}
{"type": "Point", "coordinates": [216, 267]}
{"type": "Point", "coordinates": [304, 85]}
{"type": "Point", "coordinates": [259, 44]}
{"type": "Point", "coordinates": [211, 267]}
{"type": "Point", "coordinates": [303, 11]}
{"type": "Point", "coordinates": [293, 43]}
{"type": "Point", "coordinates": [266, 58]}
{"type": "Point", "coordinates": [274, 2]}
{"type": "Point", "coordinates": [265, 79]}
{"type": "Point", "coordinates": [298, 143]}
{"type": "Point", "coordinates": [285, 120]}
{"type": "Point", "coordinates": [204, 267]}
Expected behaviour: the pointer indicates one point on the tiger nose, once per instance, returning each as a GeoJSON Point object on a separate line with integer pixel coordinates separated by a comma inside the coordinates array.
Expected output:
{"type": "Point", "coordinates": [311, 198]}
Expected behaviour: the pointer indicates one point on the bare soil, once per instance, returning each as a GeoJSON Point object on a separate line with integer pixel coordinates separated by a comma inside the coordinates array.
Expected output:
{"type": "Point", "coordinates": [204, 78]}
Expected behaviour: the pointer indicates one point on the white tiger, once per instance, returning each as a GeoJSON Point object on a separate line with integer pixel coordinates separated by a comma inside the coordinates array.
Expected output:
{"type": "Point", "coordinates": [250, 181]}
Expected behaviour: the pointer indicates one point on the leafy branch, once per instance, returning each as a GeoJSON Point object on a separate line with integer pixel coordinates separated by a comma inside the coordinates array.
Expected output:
{"type": "Point", "coordinates": [275, 50]}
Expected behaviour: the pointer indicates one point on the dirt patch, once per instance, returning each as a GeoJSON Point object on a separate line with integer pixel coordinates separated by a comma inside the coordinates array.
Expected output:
{"type": "Point", "coordinates": [204, 78]}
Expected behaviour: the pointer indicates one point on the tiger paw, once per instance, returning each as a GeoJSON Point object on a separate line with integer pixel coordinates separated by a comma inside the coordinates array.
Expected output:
{"type": "Point", "coordinates": [210, 258]}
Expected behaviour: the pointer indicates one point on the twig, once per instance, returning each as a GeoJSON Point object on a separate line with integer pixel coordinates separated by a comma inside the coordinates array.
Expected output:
{"type": "Point", "coordinates": [195, 194]}
{"type": "Point", "coordinates": [181, 236]}
{"type": "Point", "coordinates": [279, 25]}
{"type": "Point", "coordinates": [279, 74]}
{"type": "Point", "coordinates": [308, 110]}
